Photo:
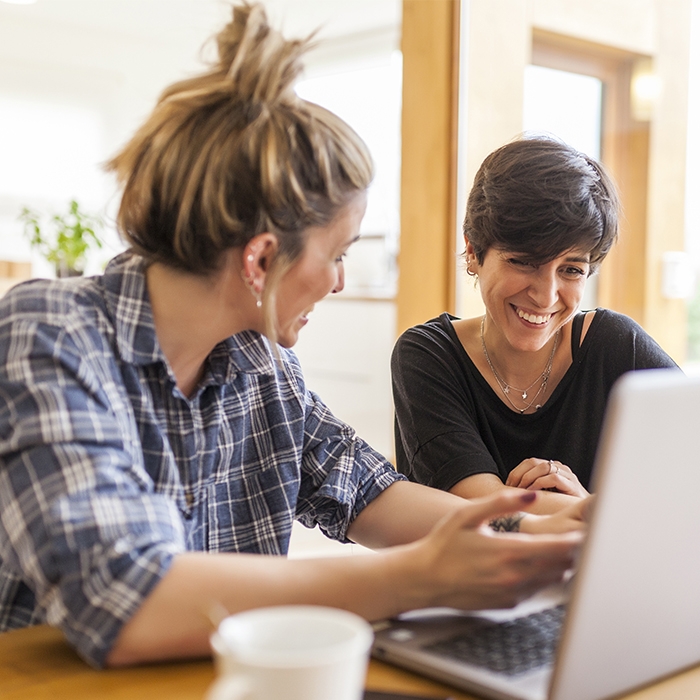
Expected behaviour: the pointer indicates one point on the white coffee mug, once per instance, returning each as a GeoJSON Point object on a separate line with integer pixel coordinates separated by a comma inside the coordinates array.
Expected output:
{"type": "Point", "coordinates": [291, 652]}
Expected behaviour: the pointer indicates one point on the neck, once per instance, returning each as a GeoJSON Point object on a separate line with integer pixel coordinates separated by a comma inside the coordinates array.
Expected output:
{"type": "Point", "coordinates": [516, 367]}
{"type": "Point", "coordinates": [192, 314]}
{"type": "Point", "coordinates": [525, 393]}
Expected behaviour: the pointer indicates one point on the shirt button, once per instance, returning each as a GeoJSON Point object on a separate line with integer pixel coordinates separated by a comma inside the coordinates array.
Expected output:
{"type": "Point", "coordinates": [124, 544]}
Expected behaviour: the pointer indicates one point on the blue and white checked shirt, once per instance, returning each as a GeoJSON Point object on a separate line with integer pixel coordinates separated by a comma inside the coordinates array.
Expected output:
{"type": "Point", "coordinates": [107, 470]}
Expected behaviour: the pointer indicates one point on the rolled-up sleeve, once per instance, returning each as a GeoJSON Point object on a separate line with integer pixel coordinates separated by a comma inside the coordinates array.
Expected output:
{"type": "Point", "coordinates": [341, 473]}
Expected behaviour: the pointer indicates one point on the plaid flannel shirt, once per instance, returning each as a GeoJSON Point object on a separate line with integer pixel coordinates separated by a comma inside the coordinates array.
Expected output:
{"type": "Point", "coordinates": [107, 470]}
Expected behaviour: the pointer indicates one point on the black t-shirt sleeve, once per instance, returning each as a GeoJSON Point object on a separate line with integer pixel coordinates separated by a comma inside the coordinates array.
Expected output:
{"type": "Point", "coordinates": [648, 354]}
{"type": "Point", "coordinates": [438, 442]}
{"type": "Point", "coordinates": [619, 345]}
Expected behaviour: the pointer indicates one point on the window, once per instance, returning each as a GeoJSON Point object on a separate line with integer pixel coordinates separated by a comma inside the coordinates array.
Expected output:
{"type": "Point", "coordinates": [369, 99]}
{"type": "Point", "coordinates": [569, 106]}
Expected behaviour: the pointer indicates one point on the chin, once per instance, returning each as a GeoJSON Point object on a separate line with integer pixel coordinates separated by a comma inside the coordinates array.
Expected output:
{"type": "Point", "coordinates": [287, 340]}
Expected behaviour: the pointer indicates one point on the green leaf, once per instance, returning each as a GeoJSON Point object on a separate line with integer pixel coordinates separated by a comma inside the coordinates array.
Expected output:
{"type": "Point", "coordinates": [69, 237]}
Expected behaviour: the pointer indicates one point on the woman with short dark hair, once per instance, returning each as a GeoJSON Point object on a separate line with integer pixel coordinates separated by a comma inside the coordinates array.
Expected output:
{"type": "Point", "coordinates": [516, 398]}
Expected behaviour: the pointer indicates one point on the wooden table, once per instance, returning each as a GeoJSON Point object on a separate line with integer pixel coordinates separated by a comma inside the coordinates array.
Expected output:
{"type": "Point", "coordinates": [37, 664]}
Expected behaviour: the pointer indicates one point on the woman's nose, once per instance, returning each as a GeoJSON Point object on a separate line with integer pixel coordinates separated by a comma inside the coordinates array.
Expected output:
{"type": "Point", "coordinates": [544, 290]}
{"type": "Point", "coordinates": [340, 282]}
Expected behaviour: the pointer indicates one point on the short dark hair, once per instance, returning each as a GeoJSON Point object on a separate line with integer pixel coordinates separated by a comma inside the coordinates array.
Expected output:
{"type": "Point", "coordinates": [540, 197]}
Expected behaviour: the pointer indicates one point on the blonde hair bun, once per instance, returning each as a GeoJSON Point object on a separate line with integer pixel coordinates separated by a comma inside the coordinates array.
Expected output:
{"type": "Point", "coordinates": [257, 60]}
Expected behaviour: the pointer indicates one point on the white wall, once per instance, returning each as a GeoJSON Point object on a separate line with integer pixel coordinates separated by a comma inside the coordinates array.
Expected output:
{"type": "Point", "coordinates": [107, 61]}
{"type": "Point", "coordinates": [78, 85]}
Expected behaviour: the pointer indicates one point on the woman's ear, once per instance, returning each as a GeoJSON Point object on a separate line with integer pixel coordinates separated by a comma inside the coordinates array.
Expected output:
{"type": "Point", "coordinates": [470, 259]}
{"type": "Point", "coordinates": [258, 254]}
{"type": "Point", "coordinates": [470, 255]}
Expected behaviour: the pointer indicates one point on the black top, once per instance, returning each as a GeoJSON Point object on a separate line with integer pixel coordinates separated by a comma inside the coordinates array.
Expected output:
{"type": "Point", "coordinates": [450, 424]}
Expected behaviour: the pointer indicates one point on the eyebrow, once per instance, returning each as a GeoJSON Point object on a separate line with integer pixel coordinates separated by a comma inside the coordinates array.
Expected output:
{"type": "Point", "coordinates": [579, 259]}
{"type": "Point", "coordinates": [573, 258]}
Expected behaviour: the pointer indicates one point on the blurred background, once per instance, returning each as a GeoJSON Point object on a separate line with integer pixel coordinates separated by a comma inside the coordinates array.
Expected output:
{"type": "Point", "coordinates": [432, 86]}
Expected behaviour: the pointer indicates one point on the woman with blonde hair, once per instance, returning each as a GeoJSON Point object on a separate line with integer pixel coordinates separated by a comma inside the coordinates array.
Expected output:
{"type": "Point", "coordinates": [157, 435]}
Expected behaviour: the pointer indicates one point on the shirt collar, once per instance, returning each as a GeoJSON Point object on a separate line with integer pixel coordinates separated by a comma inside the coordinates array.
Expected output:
{"type": "Point", "coordinates": [248, 352]}
{"type": "Point", "coordinates": [126, 297]}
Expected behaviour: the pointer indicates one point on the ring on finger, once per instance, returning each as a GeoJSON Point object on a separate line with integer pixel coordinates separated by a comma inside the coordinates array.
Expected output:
{"type": "Point", "coordinates": [553, 467]}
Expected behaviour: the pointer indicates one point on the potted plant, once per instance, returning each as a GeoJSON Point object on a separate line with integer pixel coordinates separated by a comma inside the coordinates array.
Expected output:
{"type": "Point", "coordinates": [72, 235]}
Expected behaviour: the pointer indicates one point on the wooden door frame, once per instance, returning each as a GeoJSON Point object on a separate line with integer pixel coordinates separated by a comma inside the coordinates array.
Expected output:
{"type": "Point", "coordinates": [430, 46]}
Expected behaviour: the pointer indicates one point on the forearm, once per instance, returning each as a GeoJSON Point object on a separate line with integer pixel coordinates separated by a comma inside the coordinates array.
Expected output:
{"type": "Point", "coordinates": [406, 511]}
{"type": "Point", "coordinates": [403, 513]}
{"type": "Point", "coordinates": [458, 563]}
{"type": "Point", "coordinates": [175, 620]}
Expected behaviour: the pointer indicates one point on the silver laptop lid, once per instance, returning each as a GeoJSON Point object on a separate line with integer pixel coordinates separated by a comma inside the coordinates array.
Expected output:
{"type": "Point", "coordinates": [634, 615]}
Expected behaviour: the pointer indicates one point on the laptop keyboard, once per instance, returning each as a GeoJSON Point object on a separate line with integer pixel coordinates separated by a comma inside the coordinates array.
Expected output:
{"type": "Point", "coordinates": [510, 647]}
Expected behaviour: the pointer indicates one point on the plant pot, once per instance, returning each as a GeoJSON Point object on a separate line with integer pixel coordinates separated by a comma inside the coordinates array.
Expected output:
{"type": "Point", "coordinates": [63, 271]}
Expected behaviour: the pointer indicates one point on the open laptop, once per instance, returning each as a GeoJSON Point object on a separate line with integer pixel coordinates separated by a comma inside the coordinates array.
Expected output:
{"type": "Point", "coordinates": [632, 611]}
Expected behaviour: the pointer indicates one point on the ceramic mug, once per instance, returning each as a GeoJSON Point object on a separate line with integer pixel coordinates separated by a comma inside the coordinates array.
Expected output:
{"type": "Point", "coordinates": [294, 652]}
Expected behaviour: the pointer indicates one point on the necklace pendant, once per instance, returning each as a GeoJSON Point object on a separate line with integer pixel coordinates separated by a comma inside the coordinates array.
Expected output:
{"type": "Point", "coordinates": [524, 395]}
{"type": "Point", "coordinates": [506, 390]}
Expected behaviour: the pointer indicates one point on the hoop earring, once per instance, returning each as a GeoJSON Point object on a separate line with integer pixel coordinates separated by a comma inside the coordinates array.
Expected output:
{"type": "Point", "coordinates": [470, 272]}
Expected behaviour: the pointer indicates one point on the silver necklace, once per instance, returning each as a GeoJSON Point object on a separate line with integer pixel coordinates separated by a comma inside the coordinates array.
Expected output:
{"type": "Point", "coordinates": [506, 388]}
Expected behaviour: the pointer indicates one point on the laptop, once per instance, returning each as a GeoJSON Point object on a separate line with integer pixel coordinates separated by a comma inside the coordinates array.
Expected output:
{"type": "Point", "coordinates": [631, 613]}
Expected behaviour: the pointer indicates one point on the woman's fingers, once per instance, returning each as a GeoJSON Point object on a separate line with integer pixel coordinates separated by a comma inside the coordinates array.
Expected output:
{"type": "Point", "coordinates": [516, 476]}
{"type": "Point", "coordinates": [560, 484]}
{"type": "Point", "coordinates": [561, 478]}
{"type": "Point", "coordinates": [574, 517]}
{"type": "Point", "coordinates": [468, 565]}
{"type": "Point", "coordinates": [530, 470]}
{"type": "Point", "coordinates": [539, 474]}
{"type": "Point", "coordinates": [511, 567]}
{"type": "Point", "coordinates": [483, 510]}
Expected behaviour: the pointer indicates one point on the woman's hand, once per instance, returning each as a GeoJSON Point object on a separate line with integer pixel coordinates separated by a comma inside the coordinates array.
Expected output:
{"type": "Point", "coordinates": [537, 474]}
{"type": "Point", "coordinates": [463, 563]}
{"type": "Point", "coordinates": [572, 518]}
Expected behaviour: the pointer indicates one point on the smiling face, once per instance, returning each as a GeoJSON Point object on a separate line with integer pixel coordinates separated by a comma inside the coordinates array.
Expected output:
{"type": "Point", "coordinates": [318, 271]}
{"type": "Point", "coordinates": [526, 304]}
